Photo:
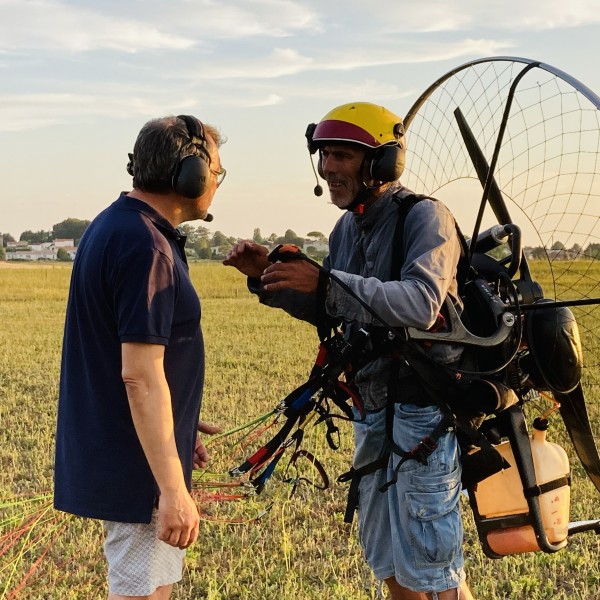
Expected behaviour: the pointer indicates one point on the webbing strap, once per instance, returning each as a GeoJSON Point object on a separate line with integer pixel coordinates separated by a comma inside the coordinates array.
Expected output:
{"type": "Point", "coordinates": [354, 476]}
{"type": "Point", "coordinates": [404, 206]}
{"type": "Point", "coordinates": [538, 490]}
{"type": "Point", "coordinates": [421, 452]}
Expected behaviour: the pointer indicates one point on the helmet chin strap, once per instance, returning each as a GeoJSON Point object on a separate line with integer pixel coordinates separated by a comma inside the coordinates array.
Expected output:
{"type": "Point", "coordinates": [358, 204]}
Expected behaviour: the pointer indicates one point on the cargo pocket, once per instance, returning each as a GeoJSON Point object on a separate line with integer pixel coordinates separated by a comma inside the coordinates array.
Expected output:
{"type": "Point", "coordinates": [435, 526]}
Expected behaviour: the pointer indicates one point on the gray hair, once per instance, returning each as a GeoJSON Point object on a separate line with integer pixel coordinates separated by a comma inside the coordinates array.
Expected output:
{"type": "Point", "coordinates": [160, 145]}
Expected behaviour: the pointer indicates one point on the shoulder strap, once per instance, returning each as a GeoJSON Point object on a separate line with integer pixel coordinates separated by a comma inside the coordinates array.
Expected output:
{"type": "Point", "coordinates": [405, 204]}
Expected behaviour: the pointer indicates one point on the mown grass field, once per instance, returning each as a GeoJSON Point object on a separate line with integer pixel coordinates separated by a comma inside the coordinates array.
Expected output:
{"type": "Point", "coordinates": [301, 549]}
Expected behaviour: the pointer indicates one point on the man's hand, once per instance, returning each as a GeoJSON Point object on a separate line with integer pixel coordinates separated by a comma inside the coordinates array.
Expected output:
{"type": "Point", "coordinates": [297, 275]}
{"type": "Point", "coordinates": [178, 519]}
{"type": "Point", "coordinates": [201, 456]}
{"type": "Point", "coordinates": [249, 258]}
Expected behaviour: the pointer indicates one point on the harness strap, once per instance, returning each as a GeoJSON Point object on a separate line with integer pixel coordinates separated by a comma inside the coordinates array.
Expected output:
{"type": "Point", "coordinates": [354, 476]}
{"type": "Point", "coordinates": [538, 490]}
{"type": "Point", "coordinates": [421, 452]}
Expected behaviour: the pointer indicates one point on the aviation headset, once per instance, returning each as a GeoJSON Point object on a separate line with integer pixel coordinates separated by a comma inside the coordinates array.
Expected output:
{"type": "Point", "coordinates": [367, 125]}
{"type": "Point", "coordinates": [192, 169]}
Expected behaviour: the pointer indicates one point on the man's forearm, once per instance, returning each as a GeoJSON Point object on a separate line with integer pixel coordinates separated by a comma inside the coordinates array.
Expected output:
{"type": "Point", "coordinates": [153, 420]}
{"type": "Point", "coordinates": [150, 404]}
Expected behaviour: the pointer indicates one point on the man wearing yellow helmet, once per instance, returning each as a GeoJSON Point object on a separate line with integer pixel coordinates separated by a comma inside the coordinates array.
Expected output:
{"type": "Point", "coordinates": [412, 533]}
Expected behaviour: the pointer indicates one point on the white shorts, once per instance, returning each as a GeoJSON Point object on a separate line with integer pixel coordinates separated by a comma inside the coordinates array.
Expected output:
{"type": "Point", "coordinates": [138, 562]}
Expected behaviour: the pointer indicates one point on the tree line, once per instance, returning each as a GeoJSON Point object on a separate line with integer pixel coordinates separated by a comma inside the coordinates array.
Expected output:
{"type": "Point", "coordinates": [201, 243]}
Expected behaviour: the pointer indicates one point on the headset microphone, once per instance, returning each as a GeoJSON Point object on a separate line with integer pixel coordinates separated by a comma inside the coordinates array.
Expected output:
{"type": "Point", "coordinates": [208, 218]}
{"type": "Point", "coordinates": [318, 191]}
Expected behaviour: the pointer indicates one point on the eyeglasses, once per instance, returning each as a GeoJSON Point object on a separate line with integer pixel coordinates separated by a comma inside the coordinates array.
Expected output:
{"type": "Point", "coordinates": [220, 175]}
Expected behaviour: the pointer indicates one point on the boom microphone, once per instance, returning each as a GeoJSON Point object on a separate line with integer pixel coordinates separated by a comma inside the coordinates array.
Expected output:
{"type": "Point", "coordinates": [318, 191]}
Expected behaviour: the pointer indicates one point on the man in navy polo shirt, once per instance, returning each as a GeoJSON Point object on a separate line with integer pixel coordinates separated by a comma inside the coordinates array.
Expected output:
{"type": "Point", "coordinates": [133, 363]}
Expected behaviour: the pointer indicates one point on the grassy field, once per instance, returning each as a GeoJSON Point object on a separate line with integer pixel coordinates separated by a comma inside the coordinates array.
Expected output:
{"type": "Point", "coordinates": [301, 549]}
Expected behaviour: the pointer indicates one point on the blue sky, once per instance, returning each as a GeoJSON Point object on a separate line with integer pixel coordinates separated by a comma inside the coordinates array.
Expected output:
{"type": "Point", "coordinates": [79, 78]}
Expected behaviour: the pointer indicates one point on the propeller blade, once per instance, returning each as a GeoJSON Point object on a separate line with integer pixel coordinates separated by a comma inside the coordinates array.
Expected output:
{"type": "Point", "coordinates": [574, 413]}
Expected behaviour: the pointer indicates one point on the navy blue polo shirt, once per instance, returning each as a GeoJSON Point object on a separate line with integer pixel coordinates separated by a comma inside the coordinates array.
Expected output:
{"type": "Point", "coordinates": [130, 283]}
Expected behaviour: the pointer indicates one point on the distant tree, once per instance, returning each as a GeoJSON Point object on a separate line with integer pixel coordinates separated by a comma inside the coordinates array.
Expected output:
{"type": "Point", "coordinates": [576, 248]}
{"type": "Point", "coordinates": [62, 254]}
{"type": "Point", "coordinates": [69, 229]}
{"type": "Point", "coordinates": [538, 252]}
{"type": "Point", "coordinates": [6, 237]}
{"type": "Point", "coordinates": [194, 234]}
{"type": "Point", "coordinates": [187, 230]}
{"type": "Point", "coordinates": [558, 246]}
{"type": "Point", "coordinates": [2, 253]}
{"type": "Point", "coordinates": [272, 239]}
{"type": "Point", "coordinates": [200, 246]}
{"type": "Point", "coordinates": [290, 237]}
{"type": "Point", "coordinates": [202, 233]}
{"type": "Point", "coordinates": [36, 237]}
{"type": "Point", "coordinates": [257, 237]}
{"type": "Point", "coordinates": [224, 250]}
{"type": "Point", "coordinates": [592, 250]}
{"type": "Point", "coordinates": [218, 239]}
{"type": "Point", "coordinates": [316, 235]}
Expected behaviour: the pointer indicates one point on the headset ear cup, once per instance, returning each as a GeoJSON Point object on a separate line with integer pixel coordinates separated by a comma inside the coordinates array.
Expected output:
{"type": "Point", "coordinates": [320, 166]}
{"type": "Point", "coordinates": [387, 163]}
{"type": "Point", "coordinates": [130, 164]}
{"type": "Point", "coordinates": [191, 176]}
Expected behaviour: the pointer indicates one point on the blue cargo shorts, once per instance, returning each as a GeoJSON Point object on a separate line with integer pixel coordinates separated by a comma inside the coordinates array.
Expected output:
{"type": "Point", "coordinates": [413, 531]}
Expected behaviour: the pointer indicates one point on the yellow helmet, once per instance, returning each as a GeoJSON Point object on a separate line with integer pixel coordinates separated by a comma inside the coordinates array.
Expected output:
{"type": "Point", "coordinates": [359, 123]}
{"type": "Point", "coordinates": [368, 125]}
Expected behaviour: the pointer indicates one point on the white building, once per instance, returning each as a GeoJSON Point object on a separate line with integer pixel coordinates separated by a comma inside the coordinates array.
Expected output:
{"type": "Point", "coordinates": [316, 245]}
{"type": "Point", "coordinates": [43, 251]}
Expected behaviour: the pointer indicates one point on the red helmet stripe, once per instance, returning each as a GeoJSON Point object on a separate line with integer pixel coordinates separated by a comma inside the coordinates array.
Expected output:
{"type": "Point", "coordinates": [342, 131]}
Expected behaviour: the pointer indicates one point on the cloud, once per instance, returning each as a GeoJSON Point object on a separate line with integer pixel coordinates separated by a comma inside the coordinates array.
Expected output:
{"type": "Point", "coordinates": [245, 102]}
{"type": "Point", "coordinates": [249, 18]}
{"type": "Point", "coordinates": [252, 83]}
{"type": "Point", "coordinates": [46, 24]}
{"type": "Point", "coordinates": [279, 62]}
{"type": "Point", "coordinates": [474, 15]}
{"type": "Point", "coordinates": [283, 62]}
{"type": "Point", "coordinates": [24, 112]}
{"type": "Point", "coordinates": [55, 25]}
{"type": "Point", "coordinates": [411, 51]}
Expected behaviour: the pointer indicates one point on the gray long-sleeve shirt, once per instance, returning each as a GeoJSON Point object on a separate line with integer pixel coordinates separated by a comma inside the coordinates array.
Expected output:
{"type": "Point", "coordinates": [361, 256]}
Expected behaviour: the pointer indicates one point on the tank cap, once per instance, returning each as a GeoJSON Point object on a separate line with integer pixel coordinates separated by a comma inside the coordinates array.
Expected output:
{"type": "Point", "coordinates": [540, 424]}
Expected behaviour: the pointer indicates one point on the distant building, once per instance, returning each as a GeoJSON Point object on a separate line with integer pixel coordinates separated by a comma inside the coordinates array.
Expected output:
{"type": "Point", "coordinates": [60, 243]}
{"type": "Point", "coordinates": [318, 246]}
{"type": "Point", "coordinates": [42, 251]}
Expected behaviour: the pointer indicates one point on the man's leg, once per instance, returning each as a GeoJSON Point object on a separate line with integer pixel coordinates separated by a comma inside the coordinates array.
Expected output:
{"type": "Point", "coordinates": [397, 592]}
{"type": "Point", "coordinates": [140, 566]}
{"type": "Point", "coordinates": [161, 593]}
{"type": "Point", "coordinates": [425, 520]}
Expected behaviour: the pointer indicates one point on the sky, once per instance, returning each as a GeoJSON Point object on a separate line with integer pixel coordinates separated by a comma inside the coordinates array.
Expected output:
{"type": "Point", "coordinates": [79, 78]}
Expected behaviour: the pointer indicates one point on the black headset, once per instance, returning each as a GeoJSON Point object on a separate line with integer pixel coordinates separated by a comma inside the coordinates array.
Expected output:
{"type": "Point", "coordinates": [384, 163]}
{"type": "Point", "coordinates": [192, 170]}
